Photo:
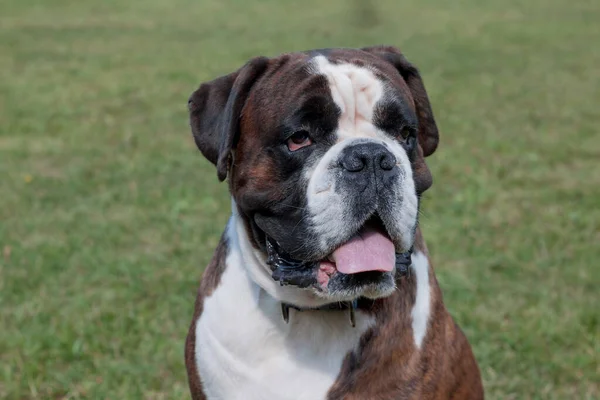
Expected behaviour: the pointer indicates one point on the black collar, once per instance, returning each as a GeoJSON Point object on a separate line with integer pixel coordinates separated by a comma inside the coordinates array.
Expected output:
{"type": "Point", "coordinates": [403, 263]}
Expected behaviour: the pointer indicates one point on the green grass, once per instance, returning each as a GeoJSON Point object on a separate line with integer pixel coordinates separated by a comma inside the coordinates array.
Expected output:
{"type": "Point", "coordinates": [108, 213]}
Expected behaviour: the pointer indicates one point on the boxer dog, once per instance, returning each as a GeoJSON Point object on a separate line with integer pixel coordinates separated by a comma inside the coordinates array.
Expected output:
{"type": "Point", "coordinates": [321, 286]}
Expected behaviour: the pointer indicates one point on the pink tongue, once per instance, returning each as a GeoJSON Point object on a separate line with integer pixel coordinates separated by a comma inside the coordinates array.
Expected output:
{"type": "Point", "coordinates": [369, 250]}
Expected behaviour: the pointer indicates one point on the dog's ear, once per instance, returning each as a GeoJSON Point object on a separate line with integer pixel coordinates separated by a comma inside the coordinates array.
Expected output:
{"type": "Point", "coordinates": [215, 110]}
{"type": "Point", "coordinates": [428, 132]}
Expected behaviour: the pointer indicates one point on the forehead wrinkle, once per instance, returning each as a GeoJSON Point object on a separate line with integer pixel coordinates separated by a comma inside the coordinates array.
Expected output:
{"type": "Point", "coordinates": [344, 84]}
{"type": "Point", "coordinates": [356, 90]}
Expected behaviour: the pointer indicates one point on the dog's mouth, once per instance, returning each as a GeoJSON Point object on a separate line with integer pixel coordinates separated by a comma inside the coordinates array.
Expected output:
{"type": "Point", "coordinates": [369, 253]}
{"type": "Point", "coordinates": [370, 249]}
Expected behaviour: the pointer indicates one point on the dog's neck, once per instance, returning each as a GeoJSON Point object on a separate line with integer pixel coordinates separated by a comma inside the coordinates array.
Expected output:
{"type": "Point", "coordinates": [255, 263]}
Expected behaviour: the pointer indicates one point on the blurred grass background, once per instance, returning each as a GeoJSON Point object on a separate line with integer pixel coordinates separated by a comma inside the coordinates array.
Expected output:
{"type": "Point", "coordinates": [108, 213]}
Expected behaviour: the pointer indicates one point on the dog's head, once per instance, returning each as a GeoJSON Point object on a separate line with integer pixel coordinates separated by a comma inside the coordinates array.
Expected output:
{"type": "Point", "coordinates": [324, 151]}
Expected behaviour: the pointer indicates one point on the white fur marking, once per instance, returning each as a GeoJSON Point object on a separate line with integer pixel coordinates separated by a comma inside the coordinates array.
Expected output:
{"type": "Point", "coordinates": [356, 91]}
{"type": "Point", "coordinates": [244, 349]}
{"type": "Point", "coordinates": [421, 308]}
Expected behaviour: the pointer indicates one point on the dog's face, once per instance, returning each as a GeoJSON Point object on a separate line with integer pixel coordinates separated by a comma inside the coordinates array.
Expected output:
{"type": "Point", "coordinates": [325, 155]}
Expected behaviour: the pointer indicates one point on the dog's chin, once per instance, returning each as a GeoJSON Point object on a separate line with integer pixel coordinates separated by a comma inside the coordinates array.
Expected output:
{"type": "Point", "coordinates": [335, 286]}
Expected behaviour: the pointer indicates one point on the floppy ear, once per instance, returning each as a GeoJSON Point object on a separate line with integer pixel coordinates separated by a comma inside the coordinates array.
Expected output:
{"type": "Point", "coordinates": [428, 132]}
{"type": "Point", "coordinates": [215, 109]}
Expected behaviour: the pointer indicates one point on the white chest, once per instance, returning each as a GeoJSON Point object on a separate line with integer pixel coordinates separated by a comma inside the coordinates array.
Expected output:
{"type": "Point", "coordinates": [244, 349]}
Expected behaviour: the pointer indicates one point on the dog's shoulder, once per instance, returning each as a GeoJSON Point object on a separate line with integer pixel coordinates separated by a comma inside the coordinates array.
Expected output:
{"type": "Point", "coordinates": [210, 280]}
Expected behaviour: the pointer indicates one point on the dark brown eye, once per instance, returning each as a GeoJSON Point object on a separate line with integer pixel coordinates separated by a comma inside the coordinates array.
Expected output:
{"type": "Point", "coordinates": [405, 132]}
{"type": "Point", "coordinates": [299, 140]}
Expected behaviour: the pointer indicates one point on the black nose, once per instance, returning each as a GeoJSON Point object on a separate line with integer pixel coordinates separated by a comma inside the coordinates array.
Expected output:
{"type": "Point", "coordinates": [367, 156]}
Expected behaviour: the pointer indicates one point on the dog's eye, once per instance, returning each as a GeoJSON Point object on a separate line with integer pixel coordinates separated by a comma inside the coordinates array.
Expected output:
{"type": "Point", "coordinates": [299, 140]}
{"type": "Point", "coordinates": [405, 132]}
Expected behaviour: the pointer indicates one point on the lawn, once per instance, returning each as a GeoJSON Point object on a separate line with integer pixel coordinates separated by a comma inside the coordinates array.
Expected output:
{"type": "Point", "coordinates": [108, 213]}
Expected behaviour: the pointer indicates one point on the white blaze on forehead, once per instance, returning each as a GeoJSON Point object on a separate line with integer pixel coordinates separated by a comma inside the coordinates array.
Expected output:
{"type": "Point", "coordinates": [356, 91]}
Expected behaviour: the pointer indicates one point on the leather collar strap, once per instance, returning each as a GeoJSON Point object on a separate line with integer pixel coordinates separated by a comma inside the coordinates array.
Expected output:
{"type": "Point", "coordinates": [337, 306]}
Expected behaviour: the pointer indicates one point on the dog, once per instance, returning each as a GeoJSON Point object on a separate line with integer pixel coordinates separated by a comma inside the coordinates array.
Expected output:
{"type": "Point", "coordinates": [321, 286]}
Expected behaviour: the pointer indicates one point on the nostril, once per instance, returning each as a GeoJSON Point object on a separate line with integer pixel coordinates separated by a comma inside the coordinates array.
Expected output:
{"type": "Point", "coordinates": [354, 163]}
{"type": "Point", "coordinates": [387, 161]}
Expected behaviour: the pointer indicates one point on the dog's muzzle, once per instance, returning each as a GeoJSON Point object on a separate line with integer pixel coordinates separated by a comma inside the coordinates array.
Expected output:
{"type": "Point", "coordinates": [303, 274]}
